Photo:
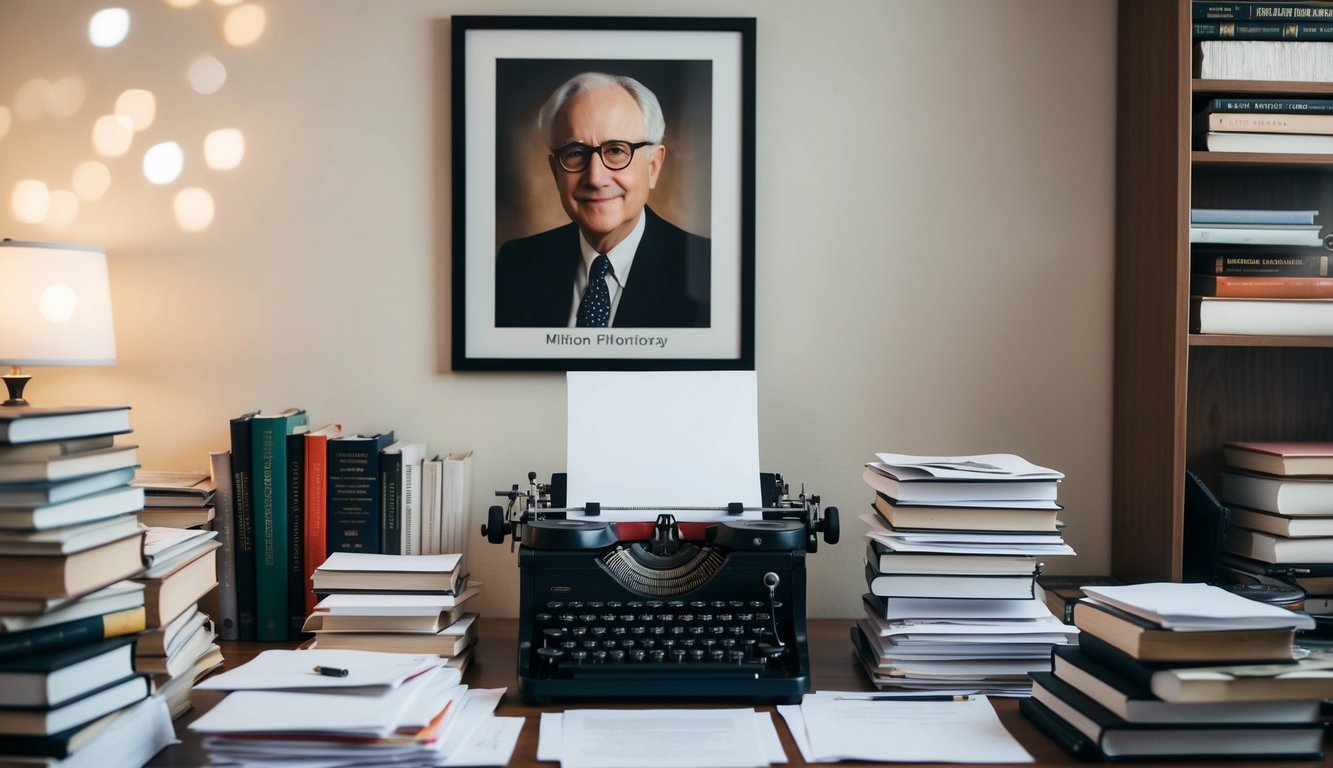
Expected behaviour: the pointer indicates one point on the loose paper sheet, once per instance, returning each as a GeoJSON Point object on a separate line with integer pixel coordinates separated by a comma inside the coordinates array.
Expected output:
{"type": "Point", "coordinates": [666, 438]}
{"type": "Point", "coordinates": [709, 733]}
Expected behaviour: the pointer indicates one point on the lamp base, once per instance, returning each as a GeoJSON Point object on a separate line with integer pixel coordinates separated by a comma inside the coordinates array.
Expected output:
{"type": "Point", "coordinates": [15, 382]}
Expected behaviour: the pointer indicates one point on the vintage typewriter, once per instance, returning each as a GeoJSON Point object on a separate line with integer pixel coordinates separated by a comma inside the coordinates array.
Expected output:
{"type": "Point", "coordinates": [661, 609]}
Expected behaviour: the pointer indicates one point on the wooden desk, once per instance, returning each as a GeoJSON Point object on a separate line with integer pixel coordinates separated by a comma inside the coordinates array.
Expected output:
{"type": "Point", "coordinates": [833, 668]}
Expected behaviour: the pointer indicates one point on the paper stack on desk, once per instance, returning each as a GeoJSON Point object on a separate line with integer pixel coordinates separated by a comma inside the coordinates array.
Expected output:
{"type": "Point", "coordinates": [952, 553]}
{"type": "Point", "coordinates": [354, 708]}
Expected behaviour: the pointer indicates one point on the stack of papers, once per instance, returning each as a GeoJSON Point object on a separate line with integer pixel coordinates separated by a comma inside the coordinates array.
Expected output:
{"type": "Point", "coordinates": [1193, 607]}
{"type": "Point", "coordinates": [403, 709]}
{"type": "Point", "coordinates": [954, 544]}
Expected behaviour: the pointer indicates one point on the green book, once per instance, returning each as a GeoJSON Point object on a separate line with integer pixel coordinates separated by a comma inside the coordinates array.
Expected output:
{"type": "Point", "coordinates": [268, 479]}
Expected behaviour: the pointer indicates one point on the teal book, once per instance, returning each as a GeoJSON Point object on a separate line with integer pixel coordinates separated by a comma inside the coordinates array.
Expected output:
{"type": "Point", "coordinates": [269, 483]}
{"type": "Point", "coordinates": [243, 524]}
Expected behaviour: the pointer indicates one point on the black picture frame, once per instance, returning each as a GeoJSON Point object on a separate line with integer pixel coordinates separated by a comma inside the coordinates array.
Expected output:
{"type": "Point", "coordinates": [703, 73]}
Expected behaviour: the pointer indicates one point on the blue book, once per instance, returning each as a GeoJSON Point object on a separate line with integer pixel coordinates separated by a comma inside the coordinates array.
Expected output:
{"type": "Point", "coordinates": [269, 489]}
{"type": "Point", "coordinates": [1250, 216]}
{"type": "Point", "coordinates": [355, 492]}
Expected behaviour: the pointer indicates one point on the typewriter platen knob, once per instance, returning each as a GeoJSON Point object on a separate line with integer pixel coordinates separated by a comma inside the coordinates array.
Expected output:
{"type": "Point", "coordinates": [829, 525]}
{"type": "Point", "coordinates": [496, 528]}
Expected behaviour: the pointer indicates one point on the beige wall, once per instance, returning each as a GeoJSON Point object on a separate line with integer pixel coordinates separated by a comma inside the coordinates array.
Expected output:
{"type": "Point", "coordinates": [950, 293]}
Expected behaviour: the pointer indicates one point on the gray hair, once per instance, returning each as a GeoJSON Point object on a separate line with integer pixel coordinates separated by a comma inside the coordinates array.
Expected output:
{"type": "Point", "coordinates": [653, 123]}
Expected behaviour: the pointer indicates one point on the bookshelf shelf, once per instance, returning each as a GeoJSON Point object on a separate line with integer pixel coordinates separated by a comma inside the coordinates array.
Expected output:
{"type": "Point", "coordinates": [1178, 395]}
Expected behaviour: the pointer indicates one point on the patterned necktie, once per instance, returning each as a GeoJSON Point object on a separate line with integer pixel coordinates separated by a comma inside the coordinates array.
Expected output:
{"type": "Point", "coordinates": [595, 309]}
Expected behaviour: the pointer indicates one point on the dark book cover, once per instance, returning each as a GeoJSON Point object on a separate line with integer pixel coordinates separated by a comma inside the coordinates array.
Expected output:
{"type": "Point", "coordinates": [31, 423]}
{"type": "Point", "coordinates": [1287, 261]}
{"type": "Point", "coordinates": [1255, 105]}
{"type": "Point", "coordinates": [69, 634]}
{"type": "Point", "coordinates": [1062, 733]}
{"type": "Point", "coordinates": [243, 525]}
{"type": "Point", "coordinates": [391, 518]}
{"type": "Point", "coordinates": [1256, 11]}
{"type": "Point", "coordinates": [354, 492]}
{"type": "Point", "coordinates": [1263, 30]}
{"type": "Point", "coordinates": [46, 663]}
{"type": "Point", "coordinates": [295, 534]}
{"type": "Point", "coordinates": [270, 484]}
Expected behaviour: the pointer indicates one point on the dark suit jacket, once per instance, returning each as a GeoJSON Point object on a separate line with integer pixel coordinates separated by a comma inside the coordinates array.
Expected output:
{"type": "Point", "coordinates": [668, 283]}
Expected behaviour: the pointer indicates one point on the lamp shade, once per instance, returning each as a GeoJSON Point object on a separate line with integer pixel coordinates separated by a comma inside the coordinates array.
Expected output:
{"type": "Point", "coordinates": [55, 305]}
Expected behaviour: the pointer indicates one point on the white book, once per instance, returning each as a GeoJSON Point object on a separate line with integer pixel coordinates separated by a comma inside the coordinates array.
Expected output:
{"type": "Point", "coordinates": [1283, 495]}
{"type": "Point", "coordinates": [1262, 317]}
{"type": "Point", "coordinates": [432, 500]}
{"type": "Point", "coordinates": [457, 497]}
{"type": "Point", "coordinates": [1257, 235]}
{"type": "Point", "coordinates": [1302, 61]}
{"type": "Point", "coordinates": [410, 495]}
{"type": "Point", "coordinates": [1297, 143]}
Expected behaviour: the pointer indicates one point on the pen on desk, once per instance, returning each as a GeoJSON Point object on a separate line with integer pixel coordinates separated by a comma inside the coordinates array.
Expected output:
{"type": "Point", "coordinates": [331, 671]}
{"type": "Point", "coordinates": [902, 698]}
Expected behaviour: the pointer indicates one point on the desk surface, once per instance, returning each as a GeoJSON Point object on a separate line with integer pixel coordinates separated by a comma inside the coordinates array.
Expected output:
{"type": "Point", "coordinates": [832, 668]}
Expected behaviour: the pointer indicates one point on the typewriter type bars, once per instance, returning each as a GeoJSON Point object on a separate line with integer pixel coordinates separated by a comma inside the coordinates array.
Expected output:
{"type": "Point", "coordinates": [662, 610]}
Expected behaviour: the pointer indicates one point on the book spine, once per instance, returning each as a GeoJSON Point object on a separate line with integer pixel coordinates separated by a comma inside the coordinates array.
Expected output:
{"type": "Point", "coordinates": [391, 514]}
{"type": "Point", "coordinates": [1290, 106]}
{"type": "Point", "coordinates": [1251, 11]}
{"type": "Point", "coordinates": [244, 526]}
{"type": "Point", "coordinates": [83, 631]}
{"type": "Point", "coordinates": [432, 480]}
{"type": "Point", "coordinates": [354, 494]}
{"type": "Point", "coordinates": [1263, 30]}
{"type": "Point", "coordinates": [1291, 264]}
{"type": "Point", "coordinates": [269, 482]}
{"type": "Point", "coordinates": [1262, 287]}
{"type": "Point", "coordinates": [316, 512]}
{"type": "Point", "coordinates": [295, 534]}
{"type": "Point", "coordinates": [224, 520]}
{"type": "Point", "coordinates": [1270, 122]}
{"type": "Point", "coordinates": [411, 490]}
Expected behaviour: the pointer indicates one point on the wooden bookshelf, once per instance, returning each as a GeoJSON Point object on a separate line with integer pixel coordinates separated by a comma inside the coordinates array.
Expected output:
{"type": "Point", "coordinates": [1179, 396]}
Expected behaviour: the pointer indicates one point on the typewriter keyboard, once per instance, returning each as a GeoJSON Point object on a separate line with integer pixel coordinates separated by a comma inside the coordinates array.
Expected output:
{"type": "Point", "coordinates": [718, 638]}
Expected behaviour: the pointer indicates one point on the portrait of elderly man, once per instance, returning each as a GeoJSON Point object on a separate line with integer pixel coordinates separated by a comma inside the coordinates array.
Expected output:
{"type": "Point", "coordinates": [617, 263]}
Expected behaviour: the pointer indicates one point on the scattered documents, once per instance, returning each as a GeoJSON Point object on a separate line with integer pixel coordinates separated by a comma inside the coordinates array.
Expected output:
{"type": "Point", "coordinates": [614, 738]}
{"type": "Point", "coordinates": [277, 670]}
{"type": "Point", "coordinates": [830, 726]}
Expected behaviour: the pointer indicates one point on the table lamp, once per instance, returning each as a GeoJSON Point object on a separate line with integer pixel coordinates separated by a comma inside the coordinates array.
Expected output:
{"type": "Point", "coordinates": [55, 309]}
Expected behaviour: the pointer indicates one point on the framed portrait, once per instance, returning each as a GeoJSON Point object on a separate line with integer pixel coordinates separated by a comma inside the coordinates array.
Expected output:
{"type": "Point", "coordinates": [603, 193]}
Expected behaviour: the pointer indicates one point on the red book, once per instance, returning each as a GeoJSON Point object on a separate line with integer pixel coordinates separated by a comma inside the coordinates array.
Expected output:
{"type": "Point", "coordinates": [316, 504]}
{"type": "Point", "coordinates": [1262, 287]}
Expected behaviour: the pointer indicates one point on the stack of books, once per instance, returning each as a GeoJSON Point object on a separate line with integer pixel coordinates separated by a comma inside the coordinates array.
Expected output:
{"type": "Point", "coordinates": [176, 499]}
{"type": "Point", "coordinates": [1182, 671]}
{"type": "Point", "coordinates": [1280, 501]}
{"type": "Point", "coordinates": [69, 539]}
{"type": "Point", "coordinates": [177, 649]}
{"type": "Point", "coordinates": [343, 707]}
{"type": "Point", "coordinates": [1264, 41]}
{"type": "Point", "coordinates": [952, 553]}
{"type": "Point", "coordinates": [394, 603]}
{"type": "Point", "coordinates": [1259, 271]}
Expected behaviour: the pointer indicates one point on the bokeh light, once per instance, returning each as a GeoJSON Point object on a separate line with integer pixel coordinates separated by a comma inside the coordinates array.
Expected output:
{"type": "Point", "coordinates": [207, 75]}
{"type": "Point", "coordinates": [30, 201]}
{"type": "Point", "coordinates": [91, 180]}
{"type": "Point", "coordinates": [244, 24]}
{"type": "Point", "coordinates": [65, 96]}
{"type": "Point", "coordinates": [138, 106]}
{"type": "Point", "coordinates": [32, 98]}
{"type": "Point", "coordinates": [226, 2]}
{"type": "Point", "coordinates": [6, 120]}
{"type": "Point", "coordinates": [224, 148]}
{"type": "Point", "coordinates": [194, 209]}
{"type": "Point", "coordinates": [108, 27]}
{"type": "Point", "coordinates": [162, 163]}
{"type": "Point", "coordinates": [62, 210]}
{"type": "Point", "coordinates": [112, 135]}
{"type": "Point", "coordinates": [182, 3]}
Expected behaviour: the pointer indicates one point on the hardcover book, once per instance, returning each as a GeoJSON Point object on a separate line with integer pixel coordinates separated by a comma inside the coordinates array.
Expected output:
{"type": "Point", "coordinates": [1281, 495]}
{"type": "Point", "coordinates": [269, 489]}
{"type": "Point", "coordinates": [354, 492]}
{"type": "Point", "coordinates": [1281, 458]}
{"type": "Point", "coordinates": [228, 620]}
{"type": "Point", "coordinates": [316, 504]}
{"type": "Point", "coordinates": [76, 573]}
{"type": "Point", "coordinates": [1262, 317]}
{"type": "Point", "coordinates": [30, 423]}
{"type": "Point", "coordinates": [242, 430]}
{"type": "Point", "coordinates": [1148, 641]}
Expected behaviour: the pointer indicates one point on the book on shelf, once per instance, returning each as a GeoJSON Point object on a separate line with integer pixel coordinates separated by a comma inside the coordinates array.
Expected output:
{"type": "Point", "coordinates": [1270, 122]}
{"type": "Point", "coordinates": [294, 559]}
{"type": "Point", "coordinates": [177, 517]}
{"type": "Point", "coordinates": [1109, 737]}
{"type": "Point", "coordinates": [432, 505]}
{"type": "Point", "coordinates": [354, 491]}
{"type": "Point", "coordinates": [316, 504]}
{"type": "Point", "coordinates": [228, 622]}
{"type": "Point", "coordinates": [67, 634]}
{"type": "Point", "coordinates": [1130, 700]}
{"type": "Point", "coordinates": [75, 573]}
{"type": "Point", "coordinates": [72, 538]}
{"type": "Point", "coordinates": [51, 679]}
{"type": "Point", "coordinates": [1036, 516]}
{"type": "Point", "coordinates": [1062, 592]}
{"type": "Point", "coordinates": [1262, 287]}
{"type": "Point", "coordinates": [1285, 458]}
{"type": "Point", "coordinates": [1262, 317]}
{"type": "Point", "coordinates": [1004, 587]}
{"type": "Point", "coordinates": [1263, 30]}
{"type": "Point", "coordinates": [409, 483]}
{"type": "Point", "coordinates": [372, 572]}
{"type": "Point", "coordinates": [30, 423]}
{"type": "Point", "coordinates": [456, 495]}
{"type": "Point", "coordinates": [1282, 495]}
{"type": "Point", "coordinates": [1249, 10]}
{"type": "Point", "coordinates": [449, 641]}
{"type": "Point", "coordinates": [1289, 60]}
{"type": "Point", "coordinates": [46, 493]}
{"type": "Point", "coordinates": [243, 523]}
{"type": "Point", "coordinates": [177, 587]}
{"type": "Point", "coordinates": [885, 560]}
{"type": "Point", "coordinates": [1148, 641]}
{"type": "Point", "coordinates": [1293, 143]}
{"type": "Point", "coordinates": [269, 490]}
{"type": "Point", "coordinates": [133, 734]}
{"type": "Point", "coordinates": [1252, 216]}
{"type": "Point", "coordinates": [1283, 525]}
{"type": "Point", "coordinates": [43, 722]}
{"type": "Point", "coordinates": [21, 614]}
{"type": "Point", "coordinates": [1267, 105]}
{"type": "Point", "coordinates": [68, 466]}
{"type": "Point", "coordinates": [1266, 261]}
{"type": "Point", "coordinates": [1272, 548]}
{"type": "Point", "coordinates": [171, 488]}
{"type": "Point", "coordinates": [1264, 234]}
